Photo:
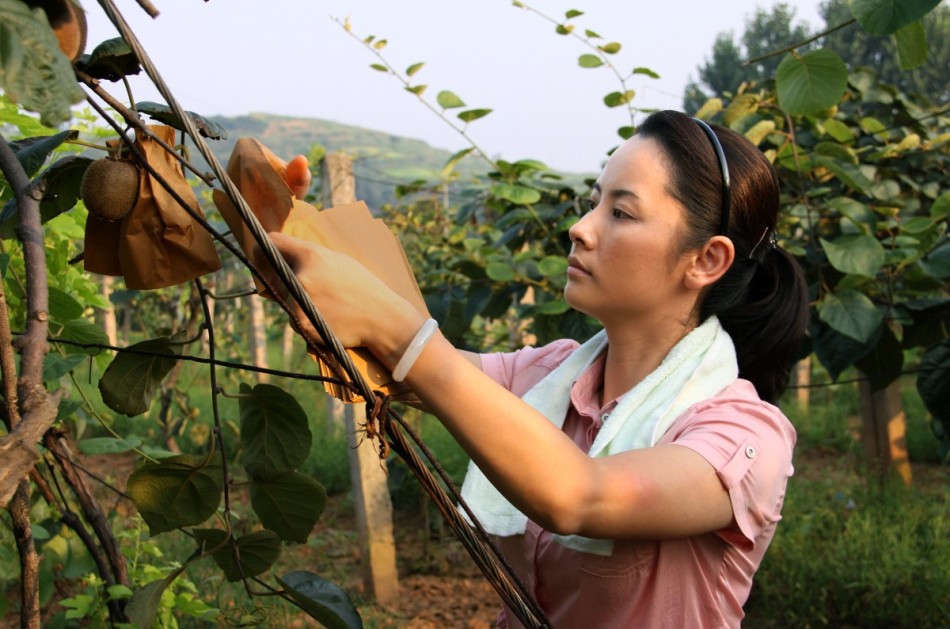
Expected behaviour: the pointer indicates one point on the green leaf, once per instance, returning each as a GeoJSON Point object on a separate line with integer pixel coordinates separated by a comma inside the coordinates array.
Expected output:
{"type": "Point", "coordinates": [111, 60]}
{"type": "Point", "coordinates": [883, 17]}
{"type": "Point", "coordinates": [63, 307]}
{"type": "Point", "coordinates": [871, 125]}
{"type": "Point", "coordinates": [850, 313]}
{"type": "Point", "coordinates": [883, 364]}
{"type": "Point", "coordinates": [589, 61]}
{"type": "Point", "coordinates": [143, 607]}
{"type": "Point", "coordinates": [564, 29]}
{"type": "Point", "coordinates": [411, 70]}
{"type": "Point", "coordinates": [56, 366]}
{"type": "Point", "coordinates": [34, 72]}
{"type": "Point", "coordinates": [855, 253]}
{"type": "Point", "coordinates": [473, 114]}
{"type": "Point", "coordinates": [808, 83]}
{"type": "Point", "coordinates": [835, 351]}
{"type": "Point", "coordinates": [847, 173]}
{"type": "Point", "coordinates": [556, 307]}
{"type": "Point", "coordinates": [572, 13]}
{"type": "Point", "coordinates": [275, 432]}
{"type": "Point", "coordinates": [760, 131]}
{"type": "Point", "coordinates": [418, 90]}
{"type": "Point", "coordinates": [324, 601]}
{"type": "Point", "coordinates": [941, 207]}
{"type": "Point", "coordinates": [379, 67]}
{"type": "Point", "coordinates": [131, 379]}
{"type": "Point", "coordinates": [85, 333]}
{"type": "Point", "coordinates": [32, 153]}
{"type": "Point", "coordinates": [611, 48]}
{"type": "Point", "coordinates": [108, 445]}
{"type": "Point", "coordinates": [911, 42]}
{"type": "Point", "coordinates": [933, 381]}
{"type": "Point", "coordinates": [616, 99]}
{"type": "Point", "coordinates": [520, 195]}
{"type": "Point", "coordinates": [626, 132]}
{"type": "Point", "coordinates": [182, 490]}
{"type": "Point", "coordinates": [164, 114]}
{"type": "Point", "coordinates": [858, 213]}
{"type": "Point", "coordinates": [838, 130]}
{"type": "Point", "coordinates": [62, 182]}
{"type": "Point", "coordinates": [500, 271]}
{"type": "Point", "coordinates": [591, 34]}
{"type": "Point", "coordinates": [289, 505]}
{"type": "Point", "coordinates": [647, 71]}
{"type": "Point", "coordinates": [936, 264]}
{"type": "Point", "coordinates": [257, 551]}
{"type": "Point", "coordinates": [452, 161]}
{"type": "Point", "coordinates": [380, 44]}
{"type": "Point", "coordinates": [552, 266]}
{"type": "Point", "coordinates": [448, 100]}
{"type": "Point", "coordinates": [917, 225]}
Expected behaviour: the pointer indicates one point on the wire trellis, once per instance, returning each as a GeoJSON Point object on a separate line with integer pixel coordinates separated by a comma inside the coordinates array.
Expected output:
{"type": "Point", "coordinates": [380, 417]}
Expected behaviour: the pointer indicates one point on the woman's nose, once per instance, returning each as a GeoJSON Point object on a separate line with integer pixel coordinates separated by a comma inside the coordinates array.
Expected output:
{"type": "Point", "coordinates": [580, 232]}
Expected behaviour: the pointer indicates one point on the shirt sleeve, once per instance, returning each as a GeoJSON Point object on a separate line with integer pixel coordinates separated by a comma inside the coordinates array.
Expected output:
{"type": "Point", "coordinates": [520, 370]}
{"type": "Point", "coordinates": [750, 444]}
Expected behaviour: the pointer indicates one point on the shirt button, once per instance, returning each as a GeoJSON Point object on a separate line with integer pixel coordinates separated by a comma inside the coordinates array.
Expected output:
{"type": "Point", "coordinates": [750, 452]}
{"type": "Point", "coordinates": [604, 417]}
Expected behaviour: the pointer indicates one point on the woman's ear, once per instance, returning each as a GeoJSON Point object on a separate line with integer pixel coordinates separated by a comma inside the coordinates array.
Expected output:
{"type": "Point", "coordinates": [711, 262]}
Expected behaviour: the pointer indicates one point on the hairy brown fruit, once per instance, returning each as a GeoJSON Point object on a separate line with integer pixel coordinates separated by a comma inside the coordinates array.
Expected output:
{"type": "Point", "coordinates": [110, 188]}
{"type": "Point", "coordinates": [68, 21]}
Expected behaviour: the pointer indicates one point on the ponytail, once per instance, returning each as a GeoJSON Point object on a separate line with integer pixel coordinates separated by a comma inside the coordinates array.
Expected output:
{"type": "Point", "coordinates": [763, 305]}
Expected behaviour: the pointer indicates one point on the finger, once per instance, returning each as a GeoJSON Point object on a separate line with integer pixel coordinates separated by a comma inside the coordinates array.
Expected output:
{"type": "Point", "coordinates": [295, 250]}
{"type": "Point", "coordinates": [298, 177]}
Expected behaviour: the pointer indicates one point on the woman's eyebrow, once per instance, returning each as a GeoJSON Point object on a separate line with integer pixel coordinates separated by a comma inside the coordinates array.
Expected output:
{"type": "Point", "coordinates": [619, 192]}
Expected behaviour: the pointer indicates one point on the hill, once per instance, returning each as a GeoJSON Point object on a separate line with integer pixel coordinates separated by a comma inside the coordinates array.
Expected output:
{"type": "Point", "coordinates": [381, 161]}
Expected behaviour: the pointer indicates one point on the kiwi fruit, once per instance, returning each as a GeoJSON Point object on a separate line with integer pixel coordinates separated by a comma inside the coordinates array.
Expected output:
{"type": "Point", "coordinates": [68, 21]}
{"type": "Point", "coordinates": [110, 188]}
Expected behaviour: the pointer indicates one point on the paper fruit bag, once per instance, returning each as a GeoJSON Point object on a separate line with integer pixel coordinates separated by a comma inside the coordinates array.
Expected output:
{"type": "Point", "coordinates": [350, 229]}
{"type": "Point", "coordinates": [158, 243]}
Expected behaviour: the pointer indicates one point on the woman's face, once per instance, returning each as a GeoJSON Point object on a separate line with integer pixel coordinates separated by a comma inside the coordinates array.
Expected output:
{"type": "Point", "coordinates": [625, 264]}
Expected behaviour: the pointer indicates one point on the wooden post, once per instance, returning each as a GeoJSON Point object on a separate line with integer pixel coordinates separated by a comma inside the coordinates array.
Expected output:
{"type": "Point", "coordinates": [258, 331]}
{"type": "Point", "coordinates": [107, 315]}
{"type": "Point", "coordinates": [884, 429]}
{"type": "Point", "coordinates": [803, 379]}
{"type": "Point", "coordinates": [371, 498]}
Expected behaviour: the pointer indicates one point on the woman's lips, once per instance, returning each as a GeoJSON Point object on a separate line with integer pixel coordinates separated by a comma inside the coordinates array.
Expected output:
{"type": "Point", "coordinates": [575, 268]}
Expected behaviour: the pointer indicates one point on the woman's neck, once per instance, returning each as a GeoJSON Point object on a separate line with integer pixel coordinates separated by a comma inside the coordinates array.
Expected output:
{"type": "Point", "coordinates": [635, 351]}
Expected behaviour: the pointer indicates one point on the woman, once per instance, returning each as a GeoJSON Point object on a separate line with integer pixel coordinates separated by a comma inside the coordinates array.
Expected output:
{"type": "Point", "coordinates": [635, 480]}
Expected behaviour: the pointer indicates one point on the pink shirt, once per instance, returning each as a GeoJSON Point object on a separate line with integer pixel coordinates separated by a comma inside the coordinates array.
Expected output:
{"type": "Point", "coordinates": [700, 581]}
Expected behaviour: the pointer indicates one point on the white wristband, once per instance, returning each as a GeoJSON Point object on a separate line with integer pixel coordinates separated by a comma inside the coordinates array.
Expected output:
{"type": "Point", "coordinates": [416, 345]}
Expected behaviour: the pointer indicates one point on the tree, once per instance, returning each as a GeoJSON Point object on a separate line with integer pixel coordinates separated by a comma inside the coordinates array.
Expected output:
{"type": "Point", "coordinates": [726, 70]}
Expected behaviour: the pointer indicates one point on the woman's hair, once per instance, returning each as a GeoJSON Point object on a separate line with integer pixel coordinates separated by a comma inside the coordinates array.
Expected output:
{"type": "Point", "coordinates": [762, 300]}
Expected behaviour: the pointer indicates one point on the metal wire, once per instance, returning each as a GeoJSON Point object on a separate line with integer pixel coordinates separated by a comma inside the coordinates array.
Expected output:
{"type": "Point", "coordinates": [475, 540]}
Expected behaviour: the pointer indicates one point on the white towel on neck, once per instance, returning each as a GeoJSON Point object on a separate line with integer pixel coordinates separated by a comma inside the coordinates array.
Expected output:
{"type": "Point", "coordinates": [701, 365]}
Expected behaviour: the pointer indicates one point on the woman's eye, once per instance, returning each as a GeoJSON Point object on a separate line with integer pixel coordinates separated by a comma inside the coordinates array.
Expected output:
{"type": "Point", "coordinates": [619, 214]}
{"type": "Point", "coordinates": [591, 204]}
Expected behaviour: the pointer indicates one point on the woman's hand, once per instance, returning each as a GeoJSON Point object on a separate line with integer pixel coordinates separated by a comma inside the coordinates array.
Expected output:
{"type": "Point", "coordinates": [358, 307]}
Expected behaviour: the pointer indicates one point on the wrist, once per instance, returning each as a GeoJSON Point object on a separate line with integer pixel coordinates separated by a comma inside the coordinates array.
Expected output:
{"type": "Point", "coordinates": [412, 352]}
{"type": "Point", "coordinates": [390, 341]}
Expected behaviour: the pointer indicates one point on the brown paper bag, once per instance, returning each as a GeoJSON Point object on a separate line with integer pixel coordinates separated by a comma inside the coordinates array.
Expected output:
{"type": "Point", "coordinates": [158, 243]}
{"type": "Point", "coordinates": [350, 229]}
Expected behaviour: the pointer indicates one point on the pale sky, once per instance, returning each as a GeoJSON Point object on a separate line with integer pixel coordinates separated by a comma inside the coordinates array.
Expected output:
{"type": "Point", "coordinates": [232, 57]}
